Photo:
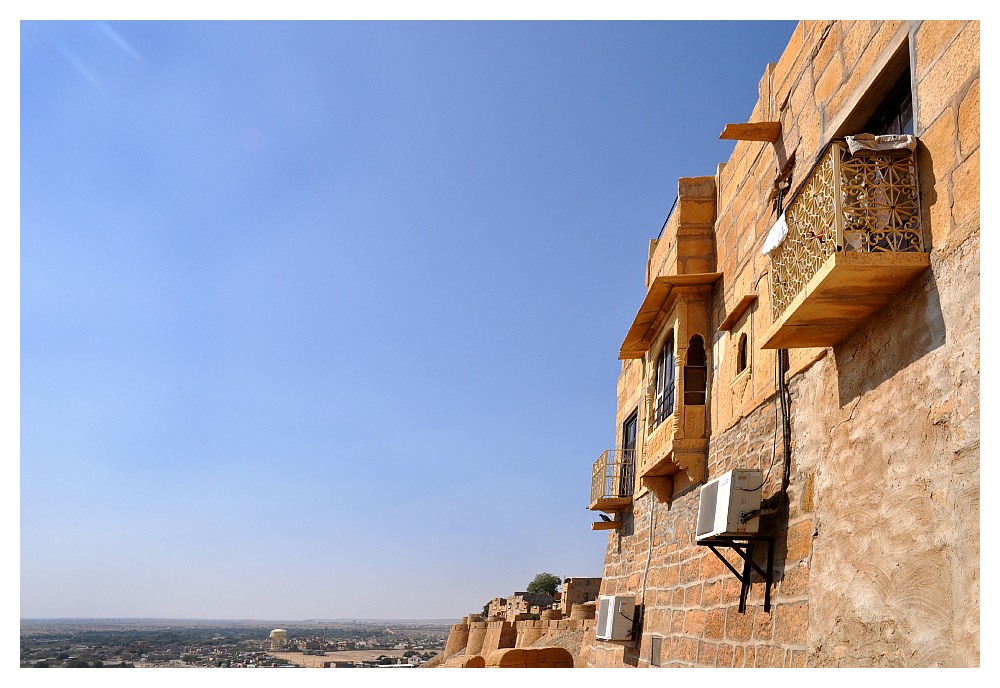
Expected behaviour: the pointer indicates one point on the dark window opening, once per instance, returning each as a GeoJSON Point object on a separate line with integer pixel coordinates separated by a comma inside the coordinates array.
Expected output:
{"type": "Point", "coordinates": [626, 477]}
{"type": "Point", "coordinates": [665, 382]}
{"type": "Point", "coordinates": [741, 354]}
{"type": "Point", "coordinates": [695, 373]}
{"type": "Point", "coordinates": [895, 114]}
{"type": "Point", "coordinates": [654, 651]}
{"type": "Point", "coordinates": [890, 85]}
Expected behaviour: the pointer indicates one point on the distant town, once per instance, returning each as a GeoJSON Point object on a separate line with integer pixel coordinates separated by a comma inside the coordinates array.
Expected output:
{"type": "Point", "coordinates": [137, 643]}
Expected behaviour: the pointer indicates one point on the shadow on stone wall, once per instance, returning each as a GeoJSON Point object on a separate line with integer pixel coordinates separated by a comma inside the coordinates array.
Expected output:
{"type": "Point", "coordinates": [897, 336]}
{"type": "Point", "coordinates": [777, 526]}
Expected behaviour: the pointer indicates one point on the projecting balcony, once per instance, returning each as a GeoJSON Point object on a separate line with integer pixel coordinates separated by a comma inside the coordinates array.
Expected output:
{"type": "Point", "coordinates": [613, 481]}
{"type": "Point", "coordinates": [854, 241]}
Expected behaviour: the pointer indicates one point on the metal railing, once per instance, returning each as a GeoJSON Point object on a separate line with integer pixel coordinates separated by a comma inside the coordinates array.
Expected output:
{"type": "Point", "coordinates": [867, 202]}
{"type": "Point", "coordinates": [614, 475]}
{"type": "Point", "coordinates": [669, 213]}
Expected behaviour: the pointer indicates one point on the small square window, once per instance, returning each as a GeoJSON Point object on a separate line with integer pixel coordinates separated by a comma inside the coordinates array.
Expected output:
{"type": "Point", "coordinates": [655, 644]}
{"type": "Point", "coordinates": [741, 354]}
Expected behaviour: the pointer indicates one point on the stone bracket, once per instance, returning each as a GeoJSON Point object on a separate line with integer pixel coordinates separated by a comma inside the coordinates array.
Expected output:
{"type": "Point", "coordinates": [752, 131]}
{"type": "Point", "coordinates": [660, 485]}
{"type": "Point", "coordinates": [606, 525]}
{"type": "Point", "coordinates": [743, 545]}
{"type": "Point", "coordinates": [691, 461]}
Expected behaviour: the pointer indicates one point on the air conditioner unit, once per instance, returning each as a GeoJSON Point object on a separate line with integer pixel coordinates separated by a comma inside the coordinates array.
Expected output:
{"type": "Point", "coordinates": [727, 502]}
{"type": "Point", "coordinates": [615, 616]}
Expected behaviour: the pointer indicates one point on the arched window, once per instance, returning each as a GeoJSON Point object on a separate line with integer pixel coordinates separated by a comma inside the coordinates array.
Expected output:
{"type": "Point", "coordinates": [741, 354]}
{"type": "Point", "coordinates": [665, 382]}
{"type": "Point", "coordinates": [695, 373]}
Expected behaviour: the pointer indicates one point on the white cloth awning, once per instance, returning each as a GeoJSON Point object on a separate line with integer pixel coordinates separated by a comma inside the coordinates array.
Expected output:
{"type": "Point", "coordinates": [777, 234]}
{"type": "Point", "coordinates": [885, 142]}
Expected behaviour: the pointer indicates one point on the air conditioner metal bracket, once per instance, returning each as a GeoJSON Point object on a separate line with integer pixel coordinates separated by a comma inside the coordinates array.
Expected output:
{"type": "Point", "coordinates": [743, 545]}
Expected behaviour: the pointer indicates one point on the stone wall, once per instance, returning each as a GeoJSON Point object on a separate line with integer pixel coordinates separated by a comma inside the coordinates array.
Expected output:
{"type": "Point", "coordinates": [458, 638]}
{"type": "Point", "coordinates": [877, 538]}
{"type": "Point", "coordinates": [897, 484]}
{"type": "Point", "coordinates": [499, 634]}
{"type": "Point", "coordinates": [690, 599]}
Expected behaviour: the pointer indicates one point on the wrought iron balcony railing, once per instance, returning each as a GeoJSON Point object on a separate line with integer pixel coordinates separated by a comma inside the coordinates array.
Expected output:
{"type": "Point", "coordinates": [613, 480]}
{"type": "Point", "coordinates": [868, 202]}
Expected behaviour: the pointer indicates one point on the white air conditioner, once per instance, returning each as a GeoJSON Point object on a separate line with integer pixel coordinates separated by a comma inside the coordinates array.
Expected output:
{"type": "Point", "coordinates": [727, 503]}
{"type": "Point", "coordinates": [615, 614]}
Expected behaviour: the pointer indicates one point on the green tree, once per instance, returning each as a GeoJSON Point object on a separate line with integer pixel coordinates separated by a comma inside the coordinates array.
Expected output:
{"type": "Point", "coordinates": [486, 610]}
{"type": "Point", "coordinates": [544, 583]}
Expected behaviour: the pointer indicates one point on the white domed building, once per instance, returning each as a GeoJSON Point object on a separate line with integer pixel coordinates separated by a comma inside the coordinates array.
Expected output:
{"type": "Point", "coordinates": [279, 639]}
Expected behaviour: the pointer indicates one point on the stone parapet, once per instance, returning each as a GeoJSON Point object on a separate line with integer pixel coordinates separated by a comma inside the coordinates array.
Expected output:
{"type": "Point", "coordinates": [465, 662]}
{"type": "Point", "coordinates": [529, 632]}
{"type": "Point", "coordinates": [499, 635]}
{"type": "Point", "coordinates": [531, 658]}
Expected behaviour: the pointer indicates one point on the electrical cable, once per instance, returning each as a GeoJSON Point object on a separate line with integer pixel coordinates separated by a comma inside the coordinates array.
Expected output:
{"type": "Point", "coordinates": [774, 439]}
{"type": "Point", "coordinates": [649, 550]}
{"type": "Point", "coordinates": [786, 420]}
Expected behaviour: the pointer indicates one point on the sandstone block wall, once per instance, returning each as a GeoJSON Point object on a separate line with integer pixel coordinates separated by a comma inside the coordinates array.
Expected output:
{"type": "Point", "coordinates": [529, 632]}
{"type": "Point", "coordinates": [690, 599]}
{"type": "Point", "coordinates": [877, 546]}
{"type": "Point", "coordinates": [477, 637]}
{"type": "Point", "coordinates": [531, 658]}
{"type": "Point", "coordinates": [458, 638]}
{"type": "Point", "coordinates": [499, 634]}
{"type": "Point", "coordinates": [465, 662]}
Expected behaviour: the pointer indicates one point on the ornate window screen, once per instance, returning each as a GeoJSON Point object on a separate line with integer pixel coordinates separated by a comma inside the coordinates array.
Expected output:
{"type": "Point", "coordinates": [868, 202]}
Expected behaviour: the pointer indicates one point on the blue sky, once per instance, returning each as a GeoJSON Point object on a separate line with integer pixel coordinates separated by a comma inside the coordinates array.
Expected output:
{"type": "Point", "coordinates": [320, 319]}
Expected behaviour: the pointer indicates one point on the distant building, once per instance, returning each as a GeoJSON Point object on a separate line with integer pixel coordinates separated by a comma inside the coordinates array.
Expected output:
{"type": "Point", "coordinates": [577, 591]}
{"type": "Point", "coordinates": [497, 607]}
{"type": "Point", "coordinates": [522, 602]}
{"type": "Point", "coordinates": [279, 639]}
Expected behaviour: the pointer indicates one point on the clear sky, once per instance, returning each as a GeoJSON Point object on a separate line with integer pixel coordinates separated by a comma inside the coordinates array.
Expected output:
{"type": "Point", "coordinates": [321, 320]}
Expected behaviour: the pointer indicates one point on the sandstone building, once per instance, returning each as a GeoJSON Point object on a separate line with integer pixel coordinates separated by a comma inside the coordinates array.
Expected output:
{"type": "Point", "coordinates": [577, 591]}
{"type": "Point", "coordinates": [843, 364]}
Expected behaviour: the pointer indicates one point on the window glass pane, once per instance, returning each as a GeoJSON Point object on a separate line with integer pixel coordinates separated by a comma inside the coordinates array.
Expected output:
{"type": "Point", "coordinates": [665, 382]}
